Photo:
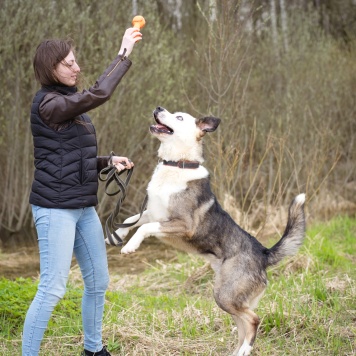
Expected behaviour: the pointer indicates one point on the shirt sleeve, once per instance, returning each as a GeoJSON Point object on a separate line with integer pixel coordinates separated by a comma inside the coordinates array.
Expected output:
{"type": "Point", "coordinates": [56, 108]}
{"type": "Point", "coordinates": [102, 162]}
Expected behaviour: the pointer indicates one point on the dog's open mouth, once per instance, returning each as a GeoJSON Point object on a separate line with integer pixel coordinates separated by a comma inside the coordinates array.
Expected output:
{"type": "Point", "coordinates": [161, 128]}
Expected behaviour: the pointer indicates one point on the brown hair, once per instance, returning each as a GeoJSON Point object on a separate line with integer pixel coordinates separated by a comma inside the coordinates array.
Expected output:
{"type": "Point", "coordinates": [48, 54]}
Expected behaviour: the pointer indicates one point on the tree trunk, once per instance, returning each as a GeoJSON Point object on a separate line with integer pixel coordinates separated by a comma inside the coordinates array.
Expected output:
{"type": "Point", "coordinates": [284, 23]}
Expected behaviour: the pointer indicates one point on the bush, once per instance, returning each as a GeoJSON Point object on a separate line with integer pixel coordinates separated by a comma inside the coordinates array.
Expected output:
{"type": "Point", "coordinates": [288, 113]}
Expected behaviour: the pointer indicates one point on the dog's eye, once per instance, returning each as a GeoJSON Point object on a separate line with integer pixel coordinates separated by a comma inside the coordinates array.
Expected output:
{"type": "Point", "coordinates": [180, 118]}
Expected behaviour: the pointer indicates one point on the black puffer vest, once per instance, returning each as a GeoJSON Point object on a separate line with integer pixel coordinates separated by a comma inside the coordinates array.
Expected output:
{"type": "Point", "coordinates": [65, 161]}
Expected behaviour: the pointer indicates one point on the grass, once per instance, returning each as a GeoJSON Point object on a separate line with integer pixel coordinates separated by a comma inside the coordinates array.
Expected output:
{"type": "Point", "coordinates": [309, 307]}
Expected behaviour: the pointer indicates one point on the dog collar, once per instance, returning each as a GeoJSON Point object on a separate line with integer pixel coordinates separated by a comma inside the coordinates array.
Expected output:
{"type": "Point", "coordinates": [182, 164]}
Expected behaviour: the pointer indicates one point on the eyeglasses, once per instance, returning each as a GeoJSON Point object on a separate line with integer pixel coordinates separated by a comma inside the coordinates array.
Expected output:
{"type": "Point", "coordinates": [68, 65]}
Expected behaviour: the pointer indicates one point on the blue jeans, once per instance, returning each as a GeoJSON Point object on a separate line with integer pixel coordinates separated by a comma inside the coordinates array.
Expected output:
{"type": "Point", "coordinates": [60, 232]}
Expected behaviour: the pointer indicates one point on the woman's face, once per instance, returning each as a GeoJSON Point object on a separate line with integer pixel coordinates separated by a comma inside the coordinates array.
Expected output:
{"type": "Point", "coordinates": [67, 70]}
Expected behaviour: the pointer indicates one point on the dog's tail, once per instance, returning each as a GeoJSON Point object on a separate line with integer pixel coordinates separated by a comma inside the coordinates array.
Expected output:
{"type": "Point", "coordinates": [293, 235]}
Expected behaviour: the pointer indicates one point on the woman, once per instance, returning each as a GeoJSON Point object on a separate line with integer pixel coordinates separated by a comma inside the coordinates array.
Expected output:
{"type": "Point", "coordinates": [64, 190]}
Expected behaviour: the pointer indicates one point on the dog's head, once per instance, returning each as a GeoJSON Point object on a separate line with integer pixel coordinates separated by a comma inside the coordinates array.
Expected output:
{"type": "Point", "coordinates": [181, 133]}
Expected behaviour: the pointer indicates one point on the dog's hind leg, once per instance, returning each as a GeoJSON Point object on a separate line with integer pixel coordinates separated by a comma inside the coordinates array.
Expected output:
{"type": "Point", "coordinates": [237, 292]}
{"type": "Point", "coordinates": [250, 323]}
{"type": "Point", "coordinates": [240, 331]}
{"type": "Point", "coordinates": [247, 324]}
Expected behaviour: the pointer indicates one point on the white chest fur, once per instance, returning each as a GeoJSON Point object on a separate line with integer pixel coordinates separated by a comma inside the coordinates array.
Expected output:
{"type": "Point", "coordinates": [166, 181]}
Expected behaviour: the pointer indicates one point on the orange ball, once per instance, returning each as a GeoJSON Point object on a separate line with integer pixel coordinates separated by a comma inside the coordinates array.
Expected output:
{"type": "Point", "coordinates": [138, 22]}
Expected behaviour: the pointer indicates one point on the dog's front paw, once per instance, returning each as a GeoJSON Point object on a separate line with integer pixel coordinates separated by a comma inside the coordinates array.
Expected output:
{"type": "Point", "coordinates": [129, 248]}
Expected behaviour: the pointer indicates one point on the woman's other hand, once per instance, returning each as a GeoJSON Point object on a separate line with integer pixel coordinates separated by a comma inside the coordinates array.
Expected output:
{"type": "Point", "coordinates": [131, 36]}
{"type": "Point", "coordinates": [121, 163]}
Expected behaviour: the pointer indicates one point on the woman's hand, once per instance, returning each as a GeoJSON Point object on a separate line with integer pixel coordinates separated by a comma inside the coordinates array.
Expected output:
{"type": "Point", "coordinates": [121, 163]}
{"type": "Point", "coordinates": [131, 36]}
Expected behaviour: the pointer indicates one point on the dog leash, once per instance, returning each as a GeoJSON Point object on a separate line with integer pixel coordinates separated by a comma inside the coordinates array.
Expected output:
{"type": "Point", "coordinates": [111, 175]}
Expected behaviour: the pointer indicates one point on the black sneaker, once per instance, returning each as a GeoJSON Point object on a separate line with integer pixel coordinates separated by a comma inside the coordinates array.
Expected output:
{"type": "Point", "coordinates": [102, 352]}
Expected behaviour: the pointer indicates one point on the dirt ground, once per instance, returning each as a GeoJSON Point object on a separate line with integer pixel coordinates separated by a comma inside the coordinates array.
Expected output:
{"type": "Point", "coordinates": [24, 262]}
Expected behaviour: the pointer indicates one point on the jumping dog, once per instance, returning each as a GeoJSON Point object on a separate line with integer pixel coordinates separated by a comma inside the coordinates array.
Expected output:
{"type": "Point", "coordinates": [183, 212]}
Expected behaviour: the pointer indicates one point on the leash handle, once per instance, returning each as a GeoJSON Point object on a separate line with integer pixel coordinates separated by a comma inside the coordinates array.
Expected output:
{"type": "Point", "coordinates": [111, 175]}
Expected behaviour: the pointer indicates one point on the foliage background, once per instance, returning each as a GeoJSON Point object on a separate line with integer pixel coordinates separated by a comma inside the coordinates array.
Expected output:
{"type": "Point", "coordinates": [281, 76]}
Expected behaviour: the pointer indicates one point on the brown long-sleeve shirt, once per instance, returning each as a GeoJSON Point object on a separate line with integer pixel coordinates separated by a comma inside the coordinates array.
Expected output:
{"type": "Point", "coordinates": [58, 111]}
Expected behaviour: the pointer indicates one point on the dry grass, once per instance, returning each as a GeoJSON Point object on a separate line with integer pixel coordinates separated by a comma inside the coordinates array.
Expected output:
{"type": "Point", "coordinates": [168, 308]}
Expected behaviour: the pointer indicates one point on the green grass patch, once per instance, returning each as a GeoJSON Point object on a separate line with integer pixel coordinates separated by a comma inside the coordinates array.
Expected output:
{"type": "Point", "coordinates": [334, 244]}
{"type": "Point", "coordinates": [308, 308]}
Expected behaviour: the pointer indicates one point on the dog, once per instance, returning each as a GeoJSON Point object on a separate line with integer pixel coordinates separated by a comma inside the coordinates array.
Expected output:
{"type": "Point", "coordinates": [183, 212]}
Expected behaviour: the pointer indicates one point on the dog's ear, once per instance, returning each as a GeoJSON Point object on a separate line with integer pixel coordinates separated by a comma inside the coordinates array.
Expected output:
{"type": "Point", "coordinates": [208, 123]}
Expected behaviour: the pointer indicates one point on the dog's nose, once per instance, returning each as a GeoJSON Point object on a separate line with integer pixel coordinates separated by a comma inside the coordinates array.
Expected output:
{"type": "Point", "coordinates": [159, 108]}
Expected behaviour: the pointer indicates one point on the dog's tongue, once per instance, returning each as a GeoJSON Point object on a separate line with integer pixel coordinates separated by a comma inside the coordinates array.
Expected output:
{"type": "Point", "coordinates": [159, 126]}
